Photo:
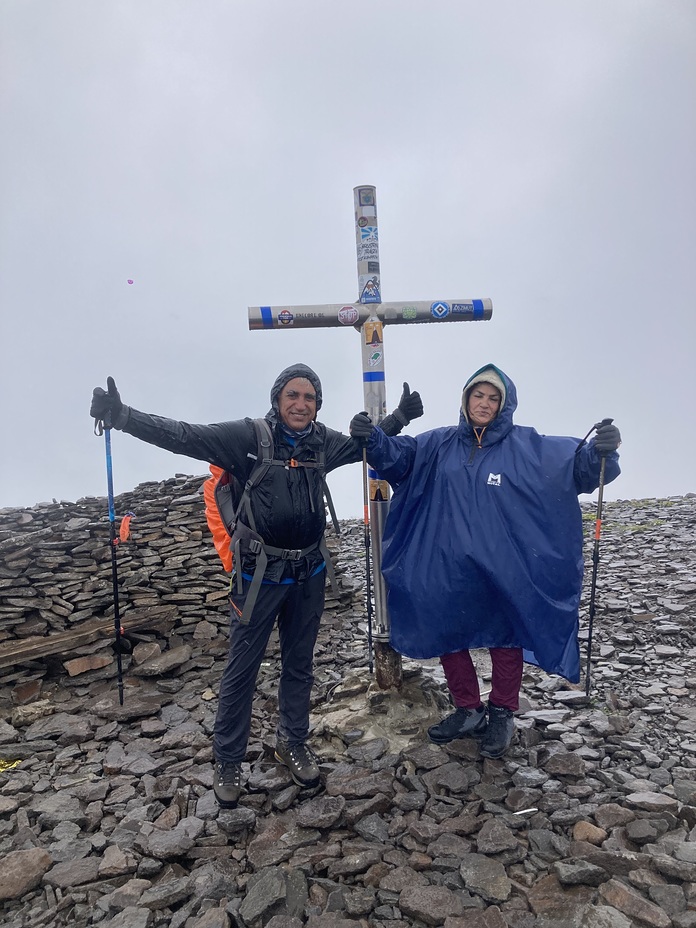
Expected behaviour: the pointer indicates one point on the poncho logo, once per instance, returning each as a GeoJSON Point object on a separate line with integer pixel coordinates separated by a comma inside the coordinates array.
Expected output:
{"type": "Point", "coordinates": [494, 480]}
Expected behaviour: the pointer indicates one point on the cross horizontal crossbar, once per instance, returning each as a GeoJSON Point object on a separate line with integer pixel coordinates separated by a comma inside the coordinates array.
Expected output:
{"type": "Point", "coordinates": [355, 314]}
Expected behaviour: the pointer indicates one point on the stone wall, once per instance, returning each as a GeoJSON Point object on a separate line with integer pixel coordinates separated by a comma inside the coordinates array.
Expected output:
{"type": "Point", "coordinates": [56, 572]}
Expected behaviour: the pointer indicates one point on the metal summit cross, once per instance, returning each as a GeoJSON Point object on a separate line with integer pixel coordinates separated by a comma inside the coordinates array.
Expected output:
{"type": "Point", "coordinates": [368, 315]}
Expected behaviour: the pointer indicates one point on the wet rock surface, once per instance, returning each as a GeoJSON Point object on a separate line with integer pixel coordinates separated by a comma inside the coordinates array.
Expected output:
{"type": "Point", "coordinates": [107, 814]}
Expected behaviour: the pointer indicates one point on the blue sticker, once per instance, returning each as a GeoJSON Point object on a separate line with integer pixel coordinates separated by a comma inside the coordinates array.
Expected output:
{"type": "Point", "coordinates": [371, 292]}
{"type": "Point", "coordinates": [366, 196]}
{"type": "Point", "coordinates": [440, 309]}
{"type": "Point", "coordinates": [369, 234]}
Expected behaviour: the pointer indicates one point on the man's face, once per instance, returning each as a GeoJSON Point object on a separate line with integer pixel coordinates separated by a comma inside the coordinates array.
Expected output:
{"type": "Point", "coordinates": [483, 404]}
{"type": "Point", "coordinates": [297, 403]}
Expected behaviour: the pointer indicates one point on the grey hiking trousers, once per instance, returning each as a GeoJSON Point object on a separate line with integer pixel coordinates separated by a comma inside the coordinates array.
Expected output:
{"type": "Point", "coordinates": [298, 608]}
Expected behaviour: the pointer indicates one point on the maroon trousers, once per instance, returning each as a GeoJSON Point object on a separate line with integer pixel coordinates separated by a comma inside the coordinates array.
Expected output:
{"type": "Point", "coordinates": [460, 674]}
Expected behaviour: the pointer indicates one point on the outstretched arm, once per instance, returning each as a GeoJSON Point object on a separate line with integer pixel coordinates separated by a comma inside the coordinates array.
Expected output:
{"type": "Point", "coordinates": [225, 444]}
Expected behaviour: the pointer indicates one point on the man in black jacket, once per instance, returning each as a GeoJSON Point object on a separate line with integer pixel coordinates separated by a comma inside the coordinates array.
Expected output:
{"type": "Point", "coordinates": [288, 513]}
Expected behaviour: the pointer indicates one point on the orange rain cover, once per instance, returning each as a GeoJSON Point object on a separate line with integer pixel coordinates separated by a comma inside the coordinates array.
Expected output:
{"type": "Point", "coordinates": [221, 539]}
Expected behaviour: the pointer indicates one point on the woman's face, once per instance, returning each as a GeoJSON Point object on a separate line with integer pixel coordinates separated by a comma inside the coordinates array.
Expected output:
{"type": "Point", "coordinates": [483, 404]}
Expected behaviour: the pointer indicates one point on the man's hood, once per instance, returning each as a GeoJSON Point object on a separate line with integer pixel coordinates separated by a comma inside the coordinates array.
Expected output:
{"type": "Point", "coordinates": [290, 373]}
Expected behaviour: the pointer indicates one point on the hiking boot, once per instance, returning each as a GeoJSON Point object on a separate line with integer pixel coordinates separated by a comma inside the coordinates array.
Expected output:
{"type": "Point", "coordinates": [300, 761]}
{"type": "Point", "coordinates": [462, 723]}
{"type": "Point", "coordinates": [227, 784]}
{"type": "Point", "coordinates": [501, 728]}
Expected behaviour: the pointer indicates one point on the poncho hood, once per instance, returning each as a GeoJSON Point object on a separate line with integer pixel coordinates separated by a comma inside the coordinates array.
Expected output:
{"type": "Point", "coordinates": [503, 422]}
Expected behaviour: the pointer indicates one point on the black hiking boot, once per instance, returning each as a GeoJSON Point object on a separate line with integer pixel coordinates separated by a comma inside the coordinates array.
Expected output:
{"type": "Point", "coordinates": [300, 761]}
{"type": "Point", "coordinates": [462, 723]}
{"type": "Point", "coordinates": [227, 784]}
{"type": "Point", "coordinates": [501, 728]}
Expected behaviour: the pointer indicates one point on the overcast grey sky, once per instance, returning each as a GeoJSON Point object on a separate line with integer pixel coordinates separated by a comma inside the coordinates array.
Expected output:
{"type": "Point", "coordinates": [541, 154]}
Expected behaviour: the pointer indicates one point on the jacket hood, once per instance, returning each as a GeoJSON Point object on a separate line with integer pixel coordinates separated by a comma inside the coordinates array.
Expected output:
{"type": "Point", "coordinates": [489, 373]}
{"type": "Point", "coordinates": [295, 370]}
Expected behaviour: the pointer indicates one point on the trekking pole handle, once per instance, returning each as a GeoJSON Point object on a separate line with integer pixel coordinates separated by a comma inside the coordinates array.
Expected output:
{"type": "Point", "coordinates": [595, 426]}
{"type": "Point", "coordinates": [603, 455]}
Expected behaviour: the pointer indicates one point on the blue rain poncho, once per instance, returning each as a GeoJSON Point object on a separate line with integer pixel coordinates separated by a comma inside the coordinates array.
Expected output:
{"type": "Point", "coordinates": [482, 546]}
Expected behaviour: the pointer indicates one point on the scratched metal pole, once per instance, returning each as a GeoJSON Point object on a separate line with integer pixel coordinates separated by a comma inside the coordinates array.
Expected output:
{"type": "Point", "coordinates": [387, 661]}
{"type": "Point", "coordinates": [369, 314]}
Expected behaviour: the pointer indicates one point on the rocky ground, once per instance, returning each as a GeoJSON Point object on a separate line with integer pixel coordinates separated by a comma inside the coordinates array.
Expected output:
{"type": "Point", "coordinates": [107, 813]}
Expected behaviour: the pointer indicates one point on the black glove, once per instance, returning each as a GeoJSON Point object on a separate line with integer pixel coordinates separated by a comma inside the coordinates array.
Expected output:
{"type": "Point", "coordinates": [607, 438]}
{"type": "Point", "coordinates": [410, 406]}
{"type": "Point", "coordinates": [361, 427]}
{"type": "Point", "coordinates": [107, 406]}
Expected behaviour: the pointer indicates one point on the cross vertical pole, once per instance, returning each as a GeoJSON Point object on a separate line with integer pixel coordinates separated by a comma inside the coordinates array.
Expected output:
{"type": "Point", "coordinates": [387, 661]}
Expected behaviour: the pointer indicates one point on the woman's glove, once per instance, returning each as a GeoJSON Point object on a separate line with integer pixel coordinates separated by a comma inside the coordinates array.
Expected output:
{"type": "Point", "coordinates": [607, 438]}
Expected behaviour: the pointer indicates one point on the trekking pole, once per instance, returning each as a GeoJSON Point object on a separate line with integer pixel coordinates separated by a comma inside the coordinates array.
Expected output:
{"type": "Point", "coordinates": [595, 554]}
{"type": "Point", "coordinates": [368, 574]}
{"type": "Point", "coordinates": [106, 428]}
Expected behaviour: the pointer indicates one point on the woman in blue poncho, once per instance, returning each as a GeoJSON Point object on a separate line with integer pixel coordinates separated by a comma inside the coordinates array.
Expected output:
{"type": "Point", "coordinates": [482, 548]}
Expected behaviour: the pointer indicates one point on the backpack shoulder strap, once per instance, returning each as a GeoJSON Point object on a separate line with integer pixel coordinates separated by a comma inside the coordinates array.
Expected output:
{"type": "Point", "coordinates": [264, 459]}
{"type": "Point", "coordinates": [264, 441]}
{"type": "Point", "coordinates": [330, 506]}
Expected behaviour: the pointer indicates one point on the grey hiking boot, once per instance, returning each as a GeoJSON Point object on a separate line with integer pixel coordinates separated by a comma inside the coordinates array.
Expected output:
{"type": "Point", "coordinates": [501, 728]}
{"type": "Point", "coordinates": [227, 784]}
{"type": "Point", "coordinates": [300, 761]}
{"type": "Point", "coordinates": [462, 723]}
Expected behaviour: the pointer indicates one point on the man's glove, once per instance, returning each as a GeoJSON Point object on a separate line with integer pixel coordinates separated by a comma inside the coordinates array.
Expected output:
{"type": "Point", "coordinates": [607, 438]}
{"type": "Point", "coordinates": [361, 427]}
{"type": "Point", "coordinates": [410, 406]}
{"type": "Point", "coordinates": [107, 406]}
